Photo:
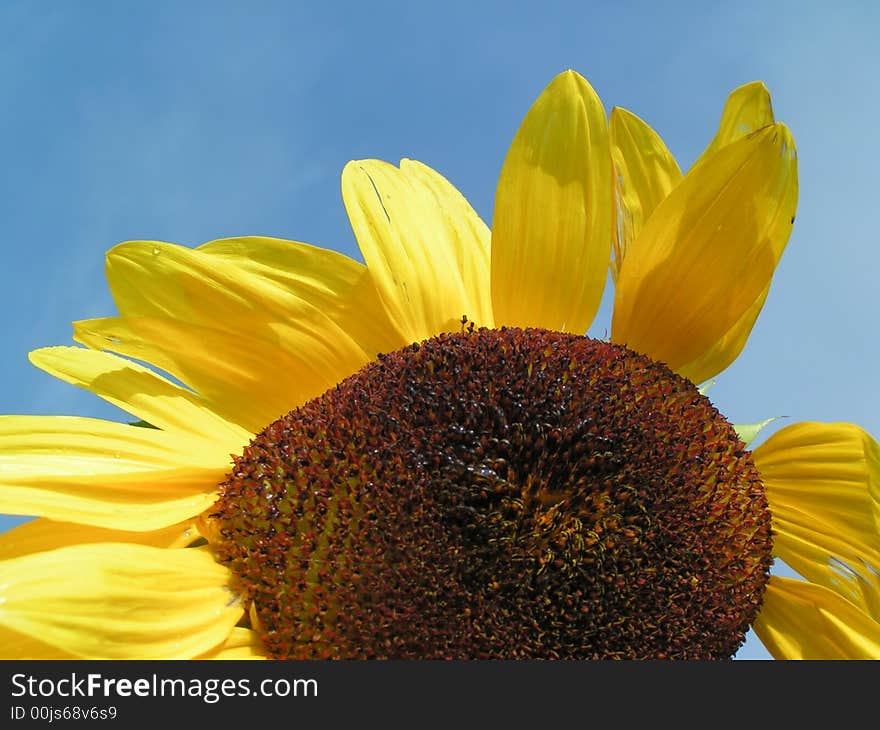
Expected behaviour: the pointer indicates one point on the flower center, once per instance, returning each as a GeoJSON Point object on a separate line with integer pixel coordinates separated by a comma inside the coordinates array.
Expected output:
{"type": "Point", "coordinates": [499, 494]}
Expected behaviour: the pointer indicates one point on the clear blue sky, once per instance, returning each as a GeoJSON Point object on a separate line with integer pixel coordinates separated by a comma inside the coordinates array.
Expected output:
{"type": "Point", "coordinates": [187, 121]}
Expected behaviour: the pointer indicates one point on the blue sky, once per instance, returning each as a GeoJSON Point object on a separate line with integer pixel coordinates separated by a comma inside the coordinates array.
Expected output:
{"type": "Point", "coordinates": [187, 121]}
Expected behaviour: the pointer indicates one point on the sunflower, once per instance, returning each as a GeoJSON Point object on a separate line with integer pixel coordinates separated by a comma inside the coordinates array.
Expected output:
{"type": "Point", "coordinates": [424, 455]}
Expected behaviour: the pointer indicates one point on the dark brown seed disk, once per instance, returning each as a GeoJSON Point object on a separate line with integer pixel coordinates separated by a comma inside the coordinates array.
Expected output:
{"type": "Point", "coordinates": [500, 494]}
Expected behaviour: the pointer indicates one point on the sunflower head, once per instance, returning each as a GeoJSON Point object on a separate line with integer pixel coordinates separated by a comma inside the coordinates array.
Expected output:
{"type": "Point", "coordinates": [500, 494]}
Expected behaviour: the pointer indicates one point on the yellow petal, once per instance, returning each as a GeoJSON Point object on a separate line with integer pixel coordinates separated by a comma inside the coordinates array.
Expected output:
{"type": "Point", "coordinates": [554, 210]}
{"type": "Point", "coordinates": [644, 174]}
{"type": "Point", "coordinates": [146, 395]}
{"type": "Point", "coordinates": [708, 251]}
{"type": "Point", "coordinates": [341, 288]}
{"type": "Point", "coordinates": [243, 379]}
{"type": "Point", "coordinates": [468, 237]}
{"type": "Point", "coordinates": [720, 355]}
{"type": "Point", "coordinates": [800, 620]}
{"type": "Point", "coordinates": [242, 643]}
{"type": "Point", "coordinates": [136, 501]}
{"type": "Point", "coordinates": [310, 311]}
{"type": "Point", "coordinates": [77, 445]}
{"type": "Point", "coordinates": [821, 481]}
{"type": "Point", "coordinates": [15, 645]}
{"type": "Point", "coordinates": [830, 561]}
{"type": "Point", "coordinates": [748, 108]}
{"type": "Point", "coordinates": [425, 247]}
{"type": "Point", "coordinates": [41, 534]}
{"type": "Point", "coordinates": [212, 283]}
{"type": "Point", "coordinates": [120, 601]}
{"type": "Point", "coordinates": [829, 471]}
{"type": "Point", "coordinates": [101, 473]}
